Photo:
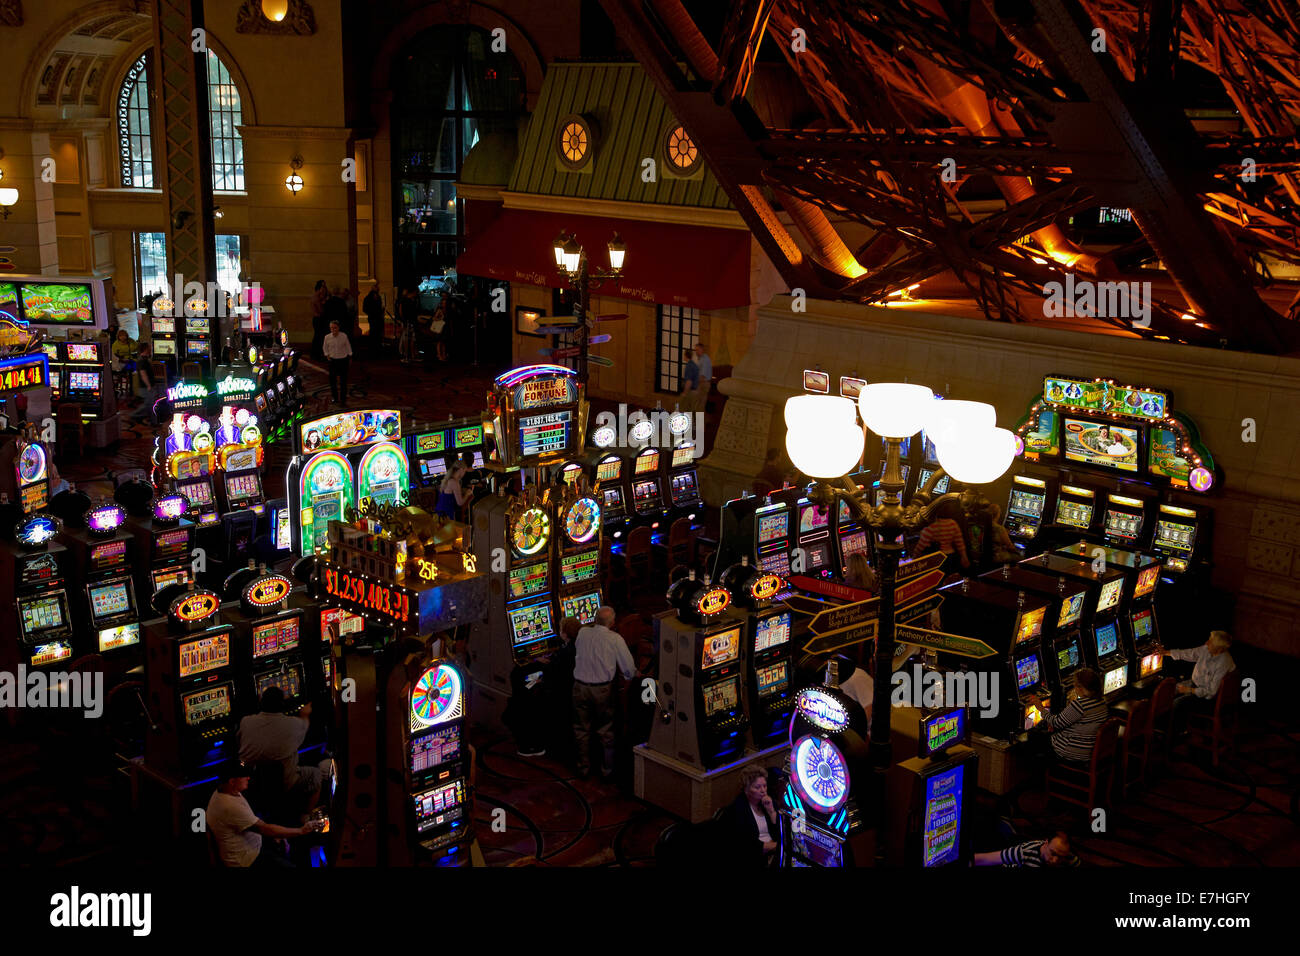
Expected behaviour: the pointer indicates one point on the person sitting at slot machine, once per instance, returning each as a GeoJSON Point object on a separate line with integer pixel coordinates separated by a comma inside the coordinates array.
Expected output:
{"type": "Point", "coordinates": [1053, 852]}
{"type": "Point", "coordinates": [1212, 662]}
{"type": "Point", "coordinates": [751, 824]}
{"type": "Point", "coordinates": [451, 496]}
{"type": "Point", "coordinates": [600, 654]}
{"type": "Point", "coordinates": [860, 574]}
{"type": "Point", "coordinates": [944, 534]}
{"type": "Point", "coordinates": [238, 832]}
{"type": "Point", "coordinates": [1004, 549]}
{"type": "Point", "coordinates": [272, 736]}
{"type": "Point", "coordinates": [1072, 733]}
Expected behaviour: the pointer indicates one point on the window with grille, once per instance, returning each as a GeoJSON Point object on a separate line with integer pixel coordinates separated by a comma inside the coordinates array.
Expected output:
{"type": "Point", "coordinates": [679, 328]}
{"type": "Point", "coordinates": [135, 147]}
{"type": "Point", "coordinates": [226, 114]}
{"type": "Point", "coordinates": [150, 250]}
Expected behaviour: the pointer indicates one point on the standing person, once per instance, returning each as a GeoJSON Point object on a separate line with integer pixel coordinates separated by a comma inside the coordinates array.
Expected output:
{"type": "Point", "coordinates": [451, 496]}
{"type": "Point", "coordinates": [408, 312]}
{"type": "Point", "coordinates": [238, 831]}
{"type": "Point", "coordinates": [559, 691]}
{"type": "Point", "coordinates": [338, 350]}
{"type": "Point", "coordinates": [706, 377]}
{"type": "Point", "coordinates": [690, 382]}
{"type": "Point", "coordinates": [373, 307]}
{"type": "Point", "coordinates": [599, 654]}
{"type": "Point", "coordinates": [944, 534]}
{"type": "Point", "coordinates": [320, 295]}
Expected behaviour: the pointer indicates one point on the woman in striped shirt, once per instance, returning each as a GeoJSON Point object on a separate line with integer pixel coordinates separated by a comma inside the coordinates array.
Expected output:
{"type": "Point", "coordinates": [1074, 730]}
{"type": "Point", "coordinates": [944, 534]}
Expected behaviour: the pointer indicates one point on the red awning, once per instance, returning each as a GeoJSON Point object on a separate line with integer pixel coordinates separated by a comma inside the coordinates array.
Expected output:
{"type": "Point", "coordinates": [668, 264]}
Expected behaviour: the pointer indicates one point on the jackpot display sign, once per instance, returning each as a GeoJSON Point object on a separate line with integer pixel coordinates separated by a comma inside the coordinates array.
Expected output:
{"type": "Point", "coordinates": [941, 829]}
{"type": "Point", "coordinates": [391, 603]}
{"type": "Point", "coordinates": [350, 430]}
{"type": "Point", "coordinates": [21, 373]}
{"type": "Point", "coordinates": [57, 303]}
{"type": "Point", "coordinates": [538, 415]}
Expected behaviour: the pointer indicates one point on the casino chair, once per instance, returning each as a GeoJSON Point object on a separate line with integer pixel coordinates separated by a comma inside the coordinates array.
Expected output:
{"type": "Point", "coordinates": [1161, 715]}
{"type": "Point", "coordinates": [1088, 788]}
{"type": "Point", "coordinates": [1135, 747]}
{"type": "Point", "coordinates": [71, 441]}
{"type": "Point", "coordinates": [638, 555]}
{"type": "Point", "coordinates": [1217, 732]}
{"type": "Point", "coordinates": [680, 541]}
{"type": "Point", "coordinates": [613, 575]}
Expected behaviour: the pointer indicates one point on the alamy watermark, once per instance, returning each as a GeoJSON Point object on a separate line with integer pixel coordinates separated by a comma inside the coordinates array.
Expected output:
{"type": "Point", "coordinates": [41, 690]}
{"type": "Point", "coordinates": [199, 298]}
{"type": "Point", "coordinates": [657, 428]}
{"type": "Point", "coordinates": [976, 690]}
{"type": "Point", "coordinates": [1075, 298]}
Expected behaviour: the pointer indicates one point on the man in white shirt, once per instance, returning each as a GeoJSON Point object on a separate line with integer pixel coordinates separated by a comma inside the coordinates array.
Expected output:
{"type": "Point", "coordinates": [705, 365]}
{"type": "Point", "coordinates": [238, 831]}
{"type": "Point", "coordinates": [599, 653]}
{"type": "Point", "coordinates": [338, 351]}
{"type": "Point", "coordinates": [272, 736]}
{"type": "Point", "coordinates": [1212, 662]}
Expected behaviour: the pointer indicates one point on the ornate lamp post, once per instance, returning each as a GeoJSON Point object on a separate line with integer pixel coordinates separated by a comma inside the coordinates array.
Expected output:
{"type": "Point", "coordinates": [571, 261]}
{"type": "Point", "coordinates": [825, 442]}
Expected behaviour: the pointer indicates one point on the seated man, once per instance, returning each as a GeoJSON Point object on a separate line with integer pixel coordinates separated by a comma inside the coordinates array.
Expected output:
{"type": "Point", "coordinates": [1053, 852]}
{"type": "Point", "coordinates": [1212, 662]}
{"type": "Point", "coordinates": [273, 736]}
{"type": "Point", "coordinates": [237, 830]}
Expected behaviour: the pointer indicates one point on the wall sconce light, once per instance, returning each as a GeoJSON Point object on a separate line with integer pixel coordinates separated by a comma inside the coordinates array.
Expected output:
{"type": "Point", "coordinates": [275, 10]}
{"type": "Point", "coordinates": [293, 182]}
{"type": "Point", "coordinates": [8, 194]}
{"type": "Point", "coordinates": [217, 213]}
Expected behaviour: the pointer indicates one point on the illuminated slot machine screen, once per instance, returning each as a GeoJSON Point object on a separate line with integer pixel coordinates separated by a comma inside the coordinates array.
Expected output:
{"type": "Point", "coordinates": [442, 804]}
{"type": "Point", "coordinates": [530, 624]}
{"type": "Point", "coordinates": [245, 487]}
{"type": "Point", "coordinates": [1107, 639]}
{"type": "Point", "coordinates": [772, 632]}
{"type": "Point", "coordinates": [940, 486]}
{"type": "Point", "coordinates": [82, 381]}
{"type": "Point", "coordinates": [51, 350]}
{"type": "Point", "coordinates": [721, 648]}
{"type": "Point", "coordinates": [1030, 624]}
{"type": "Point", "coordinates": [1174, 536]}
{"type": "Point", "coordinates": [571, 472]}
{"type": "Point", "coordinates": [177, 575]}
{"type": "Point", "coordinates": [110, 600]}
{"type": "Point", "coordinates": [942, 730]}
{"type": "Point", "coordinates": [431, 469]}
{"type": "Point", "coordinates": [1115, 679]}
{"type": "Point", "coordinates": [56, 380]}
{"type": "Point", "coordinates": [542, 434]}
{"type": "Point", "coordinates": [198, 493]}
{"type": "Point", "coordinates": [196, 346]}
{"type": "Point", "coordinates": [528, 579]}
{"type": "Point", "coordinates": [941, 827]}
{"type": "Point", "coordinates": [820, 848]}
{"type": "Point", "coordinates": [202, 655]}
{"type": "Point", "coordinates": [647, 463]}
{"type": "Point", "coordinates": [721, 696]}
{"type": "Point", "coordinates": [283, 529]}
{"type": "Point", "coordinates": [108, 555]}
{"type": "Point", "coordinates": [433, 750]}
{"type": "Point", "coordinates": [1071, 609]}
{"type": "Point", "coordinates": [773, 526]}
{"type": "Point", "coordinates": [43, 654]}
{"type": "Point", "coordinates": [1027, 503]}
{"type": "Point", "coordinates": [645, 495]}
{"type": "Point", "coordinates": [773, 679]}
{"type": "Point", "coordinates": [1100, 444]}
{"type": "Point", "coordinates": [164, 347]}
{"type": "Point", "coordinates": [289, 680]}
{"type": "Point", "coordinates": [775, 562]}
{"type": "Point", "coordinates": [580, 566]}
{"type": "Point", "coordinates": [172, 544]}
{"type": "Point", "coordinates": [274, 637]}
{"type": "Point", "coordinates": [684, 488]}
{"type": "Point", "coordinates": [260, 402]}
{"type": "Point", "coordinates": [1143, 625]}
{"type": "Point", "coordinates": [83, 352]}
{"type": "Point", "coordinates": [197, 325]}
{"type": "Point", "coordinates": [210, 703]}
{"type": "Point", "coordinates": [581, 606]}
{"type": "Point", "coordinates": [613, 503]}
{"type": "Point", "coordinates": [683, 455]}
{"type": "Point", "coordinates": [852, 542]}
{"type": "Point", "coordinates": [819, 555]}
{"type": "Point", "coordinates": [1067, 658]}
{"type": "Point", "coordinates": [42, 614]}
{"type": "Point", "coordinates": [813, 519]}
{"type": "Point", "coordinates": [125, 635]}
{"type": "Point", "coordinates": [1110, 594]}
{"type": "Point", "coordinates": [1071, 512]}
{"type": "Point", "coordinates": [164, 324]}
{"type": "Point", "coordinates": [1027, 672]}
{"type": "Point", "coordinates": [609, 469]}
{"type": "Point", "coordinates": [1149, 665]}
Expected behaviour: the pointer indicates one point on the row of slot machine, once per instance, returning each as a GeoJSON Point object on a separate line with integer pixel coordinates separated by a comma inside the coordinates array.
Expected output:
{"type": "Point", "coordinates": [177, 339]}
{"type": "Point", "coordinates": [726, 669]}
{"type": "Point", "coordinates": [1047, 616]}
{"type": "Point", "coordinates": [640, 485]}
{"type": "Point", "coordinates": [270, 386]}
{"type": "Point", "coordinates": [80, 375]}
{"type": "Point", "coordinates": [430, 444]}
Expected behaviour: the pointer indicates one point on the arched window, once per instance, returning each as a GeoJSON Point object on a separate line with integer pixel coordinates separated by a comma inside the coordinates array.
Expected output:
{"type": "Point", "coordinates": [135, 146]}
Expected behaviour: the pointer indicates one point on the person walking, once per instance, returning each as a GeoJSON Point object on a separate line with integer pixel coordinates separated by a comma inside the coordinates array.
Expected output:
{"type": "Point", "coordinates": [320, 295]}
{"type": "Point", "coordinates": [705, 365]}
{"type": "Point", "coordinates": [408, 312]}
{"type": "Point", "coordinates": [373, 307]}
{"type": "Point", "coordinates": [690, 381]}
{"type": "Point", "coordinates": [337, 348]}
{"type": "Point", "coordinates": [600, 653]}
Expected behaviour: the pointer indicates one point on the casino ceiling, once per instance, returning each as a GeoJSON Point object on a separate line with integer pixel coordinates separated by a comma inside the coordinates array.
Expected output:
{"type": "Point", "coordinates": [971, 152]}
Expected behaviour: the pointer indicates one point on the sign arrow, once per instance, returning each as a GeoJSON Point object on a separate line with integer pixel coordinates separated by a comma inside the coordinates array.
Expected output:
{"type": "Point", "coordinates": [802, 604]}
{"type": "Point", "coordinates": [569, 351]}
{"type": "Point", "coordinates": [600, 360]}
{"type": "Point", "coordinates": [918, 586]}
{"type": "Point", "coordinates": [598, 339]}
{"type": "Point", "coordinates": [942, 641]}
{"type": "Point", "coordinates": [847, 615]}
{"type": "Point", "coordinates": [918, 609]}
{"type": "Point", "coordinates": [829, 588]}
{"type": "Point", "coordinates": [844, 637]}
{"type": "Point", "coordinates": [910, 569]}
{"type": "Point", "coordinates": [611, 316]}
{"type": "Point", "coordinates": [555, 329]}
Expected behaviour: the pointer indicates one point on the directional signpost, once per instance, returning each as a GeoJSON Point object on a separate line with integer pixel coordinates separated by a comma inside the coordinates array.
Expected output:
{"type": "Point", "coordinates": [598, 339]}
{"type": "Point", "coordinates": [918, 609]}
{"type": "Point", "coordinates": [943, 641]}
{"type": "Point", "coordinates": [569, 351]}
{"type": "Point", "coordinates": [611, 316]}
{"type": "Point", "coordinates": [910, 569]}
{"type": "Point", "coordinates": [846, 624]}
{"type": "Point", "coordinates": [844, 637]}
{"type": "Point", "coordinates": [916, 586]}
{"type": "Point", "coordinates": [802, 604]}
{"type": "Point", "coordinates": [601, 361]}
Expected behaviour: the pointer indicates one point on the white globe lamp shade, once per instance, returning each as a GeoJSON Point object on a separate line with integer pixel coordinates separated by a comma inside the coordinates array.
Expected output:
{"type": "Point", "coordinates": [275, 10]}
{"type": "Point", "coordinates": [808, 410]}
{"type": "Point", "coordinates": [825, 449]}
{"type": "Point", "coordinates": [978, 457]}
{"type": "Point", "coordinates": [893, 409]}
{"type": "Point", "coordinates": [949, 418]}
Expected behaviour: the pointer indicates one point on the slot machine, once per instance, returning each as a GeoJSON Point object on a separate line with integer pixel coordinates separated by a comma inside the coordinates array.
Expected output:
{"type": "Point", "coordinates": [198, 341]}
{"type": "Point", "coordinates": [1060, 647]}
{"type": "Point", "coordinates": [538, 416]}
{"type": "Point", "coordinates": [928, 795]}
{"type": "Point", "coordinates": [577, 554]}
{"type": "Point", "coordinates": [905, 467]}
{"type": "Point", "coordinates": [469, 438]}
{"type": "Point", "coordinates": [270, 638]}
{"type": "Point", "coordinates": [103, 556]}
{"type": "Point", "coordinates": [1011, 622]}
{"type": "Point", "coordinates": [609, 492]}
{"type": "Point", "coordinates": [332, 470]}
{"type": "Point", "coordinates": [645, 487]}
{"type": "Point", "coordinates": [1101, 646]}
{"type": "Point", "coordinates": [1125, 520]}
{"type": "Point", "coordinates": [814, 539]}
{"type": "Point", "coordinates": [816, 807]}
{"type": "Point", "coordinates": [163, 337]}
{"type": "Point", "coordinates": [1176, 537]}
{"type": "Point", "coordinates": [239, 459]}
{"type": "Point", "coordinates": [849, 536]}
{"type": "Point", "coordinates": [928, 466]}
{"type": "Point", "coordinates": [683, 481]}
{"type": "Point", "coordinates": [32, 575]}
{"type": "Point", "coordinates": [736, 527]}
{"type": "Point", "coordinates": [54, 360]}
{"type": "Point", "coordinates": [164, 542]}
{"type": "Point", "coordinates": [428, 450]}
{"type": "Point", "coordinates": [702, 718]}
{"type": "Point", "coordinates": [189, 464]}
{"type": "Point", "coordinates": [84, 370]}
{"type": "Point", "coordinates": [190, 681]}
{"type": "Point", "coordinates": [437, 796]}
{"type": "Point", "coordinates": [769, 657]}
{"type": "Point", "coordinates": [24, 470]}
{"type": "Point", "coordinates": [1076, 507]}
{"type": "Point", "coordinates": [1025, 508]}
{"type": "Point", "coordinates": [771, 541]}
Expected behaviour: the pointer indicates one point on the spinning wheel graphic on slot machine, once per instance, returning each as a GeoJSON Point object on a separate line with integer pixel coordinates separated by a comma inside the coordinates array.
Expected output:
{"type": "Point", "coordinates": [530, 532]}
{"type": "Point", "coordinates": [582, 520]}
{"type": "Point", "coordinates": [436, 697]}
{"type": "Point", "coordinates": [820, 773]}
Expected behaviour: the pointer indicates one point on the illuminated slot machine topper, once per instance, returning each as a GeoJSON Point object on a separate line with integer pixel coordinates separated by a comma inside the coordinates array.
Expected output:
{"type": "Point", "coordinates": [1071, 609]}
{"type": "Point", "coordinates": [383, 475]}
{"type": "Point", "coordinates": [609, 468]}
{"type": "Point", "coordinates": [1029, 625]}
{"type": "Point", "coordinates": [431, 752]}
{"type": "Point", "coordinates": [942, 729]}
{"type": "Point", "coordinates": [31, 468]}
{"type": "Point", "coordinates": [1147, 580]}
{"type": "Point", "coordinates": [1074, 507]}
{"type": "Point", "coordinates": [570, 473]}
{"type": "Point", "coordinates": [1124, 518]}
{"type": "Point", "coordinates": [581, 606]}
{"type": "Point", "coordinates": [83, 352]}
{"type": "Point", "coordinates": [1175, 536]}
{"type": "Point", "coordinates": [325, 489]}
{"type": "Point", "coordinates": [579, 567]}
{"type": "Point", "coordinates": [539, 415]}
